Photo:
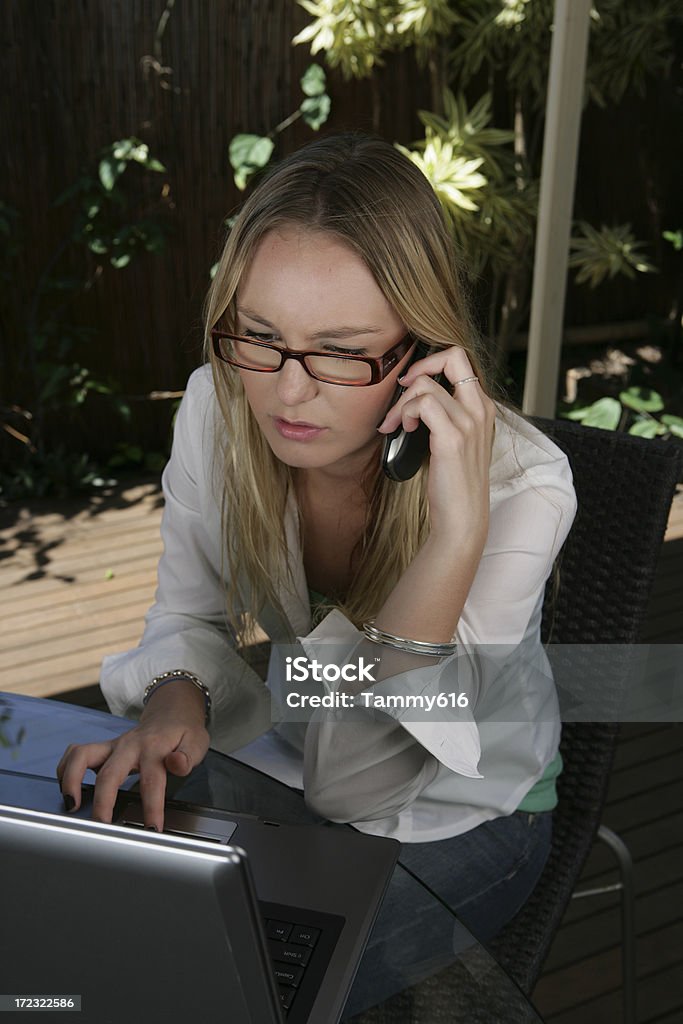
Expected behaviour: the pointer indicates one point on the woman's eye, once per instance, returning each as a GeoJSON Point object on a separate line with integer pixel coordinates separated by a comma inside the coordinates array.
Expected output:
{"type": "Point", "coordinates": [345, 351]}
{"type": "Point", "coordinates": [259, 337]}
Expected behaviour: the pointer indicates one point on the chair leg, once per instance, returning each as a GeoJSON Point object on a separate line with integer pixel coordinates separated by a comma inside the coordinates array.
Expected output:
{"type": "Point", "coordinates": [628, 921]}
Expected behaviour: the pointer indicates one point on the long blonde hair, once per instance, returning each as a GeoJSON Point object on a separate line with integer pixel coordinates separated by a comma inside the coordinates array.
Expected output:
{"type": "Point", "coordinates": [372, 198]}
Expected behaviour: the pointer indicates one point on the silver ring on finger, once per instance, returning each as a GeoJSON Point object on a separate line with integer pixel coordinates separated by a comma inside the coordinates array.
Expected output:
{"type": "Point", "coordinates": [465, 380]}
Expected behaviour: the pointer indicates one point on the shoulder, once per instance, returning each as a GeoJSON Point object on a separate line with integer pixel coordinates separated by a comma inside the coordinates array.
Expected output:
{"type": "Point", "coordinates": [200, 391]}
{"type": "Point", "coordinates": [196, 429]}
{"type": "Point", "coordinates": [525, 460]}
{"type": "Point", "coordinates": [196, 415]}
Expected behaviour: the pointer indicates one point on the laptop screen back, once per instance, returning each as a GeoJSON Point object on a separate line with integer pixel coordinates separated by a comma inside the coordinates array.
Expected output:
{"type": "Point", "coordinates": [143, 927]}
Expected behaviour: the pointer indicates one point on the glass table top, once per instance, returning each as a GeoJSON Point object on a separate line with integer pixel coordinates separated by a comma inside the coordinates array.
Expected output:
{"type": "Point", "coordinates": [34, 734]}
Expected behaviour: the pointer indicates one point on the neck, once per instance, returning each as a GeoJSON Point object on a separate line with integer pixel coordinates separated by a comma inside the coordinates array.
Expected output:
{"type": "Point", "coordinates": [337, 480]}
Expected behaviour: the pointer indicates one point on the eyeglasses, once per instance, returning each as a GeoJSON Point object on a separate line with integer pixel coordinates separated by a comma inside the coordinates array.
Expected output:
{"type": "Point", "coordinates": [346, 370]}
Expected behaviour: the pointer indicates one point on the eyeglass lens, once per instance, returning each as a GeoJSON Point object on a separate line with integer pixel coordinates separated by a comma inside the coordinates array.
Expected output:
{"type": "Point", "coordinates": [330, 368]}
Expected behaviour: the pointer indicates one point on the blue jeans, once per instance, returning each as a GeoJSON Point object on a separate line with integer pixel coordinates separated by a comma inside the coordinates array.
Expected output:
{"type": "Point", "coordinates": [484, 875]}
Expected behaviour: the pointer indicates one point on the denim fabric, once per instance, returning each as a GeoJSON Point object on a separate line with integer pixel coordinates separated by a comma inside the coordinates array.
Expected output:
{"type": "Point", "coordinates": [484, 876]}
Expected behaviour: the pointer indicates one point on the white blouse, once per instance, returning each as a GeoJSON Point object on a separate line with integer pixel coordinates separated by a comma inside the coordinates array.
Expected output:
{"type": "Point", "coordinates": [445, 768]}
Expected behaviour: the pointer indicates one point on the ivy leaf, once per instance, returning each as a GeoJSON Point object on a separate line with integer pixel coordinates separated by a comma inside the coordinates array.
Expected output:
{"type": "Point", "coordinates": [313, 80]}
{"type": "Point", "coordinates": [315, 110]}
{"type": "Point", "coordinates": [642, 399]}
{"type": "Point", "coordinates": [110, 171]}
{"type": "Point", "coordinates": [674, 424]}
{"type": "Point", "coordinates": [120, 261]}
{"type": "Point", "coordinates": [248, 154]}
{"type": "Point", "coordinates": [647, 428]}
{"type": "Point", "coordinates": [676, 239]}
{"type": "Point", "coordinates": [605, 413]}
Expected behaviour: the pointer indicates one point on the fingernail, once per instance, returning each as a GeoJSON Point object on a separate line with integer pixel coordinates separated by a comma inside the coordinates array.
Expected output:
{"type": "Point", "coordinates": [151, 828]}
{"type": "Point", "coordinates": [69, 801]}
{"type": "Point", "coordinates": [401, 379]}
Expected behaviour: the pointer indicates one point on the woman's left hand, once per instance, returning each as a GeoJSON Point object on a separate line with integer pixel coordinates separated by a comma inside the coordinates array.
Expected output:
{"type": "Point", "coordinates": [461, 429]}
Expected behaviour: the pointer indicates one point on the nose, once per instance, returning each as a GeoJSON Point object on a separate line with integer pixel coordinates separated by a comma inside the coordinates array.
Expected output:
{"type": "Point", "coordinates": [294, 385]}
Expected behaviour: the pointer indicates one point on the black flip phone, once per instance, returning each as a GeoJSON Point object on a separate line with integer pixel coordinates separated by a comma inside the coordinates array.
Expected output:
{"type": "Point", "coordinates": [403, 453]}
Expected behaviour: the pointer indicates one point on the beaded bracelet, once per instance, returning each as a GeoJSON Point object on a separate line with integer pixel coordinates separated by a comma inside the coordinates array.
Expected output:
{"type": "Point", "coordinates": [401, 643]}
{"type": "Point", "coordinates": [172, 676]}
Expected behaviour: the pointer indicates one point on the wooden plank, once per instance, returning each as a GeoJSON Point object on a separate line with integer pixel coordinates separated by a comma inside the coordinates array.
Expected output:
{"type": "Point", "coordinates": [663, 739]}
{"type": "Point", "coordinates": [129, 606]}
{"type": "Point", "coordinates": [69, 565]}
{"type": "Point", "coordinates": [644, 808]}
{"type": "Point", "coordinates": [661, 868]}
{"type": "Point", "coordinates": [58, 657]}
{"type": "Point", "coordinates": [601, 931]}
{"type": "Point", "coordinates": [58, 683]}
{"type": "Point", "coordinates": [659, 1001]}
{"type": "Point", "coordinates": [601, 975]}
{"type": "Point", "coordinates": [59, 615]}
{"type": "Point", "coordinates": [645, 776]}
{"type": "Point", "coordinates": [124, 579]}
{"type": "Point", "coordinates": [94, 631]}
{"type": "Point", "coordinates": [643, 840]}
{"type": "Point", "coordinates": [34, 533]}
{"type": "Point", "coordinates": [91, 539]}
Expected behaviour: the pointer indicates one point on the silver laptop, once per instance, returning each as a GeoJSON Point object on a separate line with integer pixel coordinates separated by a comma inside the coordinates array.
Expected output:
{"type": "Point", "coordinates": [223, 918]}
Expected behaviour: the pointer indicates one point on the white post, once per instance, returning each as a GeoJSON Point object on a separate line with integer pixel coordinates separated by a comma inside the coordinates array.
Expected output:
{"type": "Point", "coordinates": [558, 175]}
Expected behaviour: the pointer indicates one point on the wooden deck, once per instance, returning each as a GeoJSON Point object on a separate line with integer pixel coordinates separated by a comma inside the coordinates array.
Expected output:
{"type": "Point", "coordinates": [75, 581]}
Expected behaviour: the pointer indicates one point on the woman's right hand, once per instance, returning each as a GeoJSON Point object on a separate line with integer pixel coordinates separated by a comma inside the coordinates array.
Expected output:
{"type": "Point", "coordinates": [171, 737]}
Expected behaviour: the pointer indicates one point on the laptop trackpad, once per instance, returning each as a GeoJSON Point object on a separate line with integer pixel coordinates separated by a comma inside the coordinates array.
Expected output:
{"type": "Point", "coordinates": [189, 824]}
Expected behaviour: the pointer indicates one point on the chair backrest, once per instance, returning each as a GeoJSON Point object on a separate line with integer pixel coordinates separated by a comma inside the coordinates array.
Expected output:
{"type": "Point", "coordinates": [624, 487]}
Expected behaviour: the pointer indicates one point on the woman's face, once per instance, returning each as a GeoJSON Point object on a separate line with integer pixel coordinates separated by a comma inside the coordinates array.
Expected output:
{"type": "Point", "coordinates": [306, 290]}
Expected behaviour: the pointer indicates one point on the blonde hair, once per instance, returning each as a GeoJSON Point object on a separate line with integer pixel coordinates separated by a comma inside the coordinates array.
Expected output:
{"type": "Point", "coordinates": [372, 198]}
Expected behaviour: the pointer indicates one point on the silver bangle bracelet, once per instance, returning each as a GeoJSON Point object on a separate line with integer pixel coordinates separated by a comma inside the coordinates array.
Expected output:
{"type": "Point", "coordinates": [174, 675]}
{"type": "Point", "coordinates": [401, 643]}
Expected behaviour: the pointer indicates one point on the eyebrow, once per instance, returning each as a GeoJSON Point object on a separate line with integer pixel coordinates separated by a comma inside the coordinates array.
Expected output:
{"type": "Point", "coordinates": [329, 332]}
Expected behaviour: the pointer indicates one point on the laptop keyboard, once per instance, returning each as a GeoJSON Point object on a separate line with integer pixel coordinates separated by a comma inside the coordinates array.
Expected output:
{"type": "Point", "coordinates": [300, 944]}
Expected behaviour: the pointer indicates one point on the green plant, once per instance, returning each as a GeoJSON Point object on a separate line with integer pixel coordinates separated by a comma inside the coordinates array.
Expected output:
{"type": "Point", "coordinates": [251, 153]}
{"type": "Point", "coordinates": [602, 254]}
{"type": "Point", "coordinates": [485, 176]}
{"type": "Point", "coordinates": [634, 409]}
{"type": "Point", "coordinates": [112, 224]}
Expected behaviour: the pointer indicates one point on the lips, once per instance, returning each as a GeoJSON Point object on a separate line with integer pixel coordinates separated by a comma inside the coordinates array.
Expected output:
{"type": "Point", "coordinates": [297, 430]}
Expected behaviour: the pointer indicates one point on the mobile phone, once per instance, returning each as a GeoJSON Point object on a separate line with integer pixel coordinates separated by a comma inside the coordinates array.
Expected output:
{"type": "Point", "coordinates": [403, 452]}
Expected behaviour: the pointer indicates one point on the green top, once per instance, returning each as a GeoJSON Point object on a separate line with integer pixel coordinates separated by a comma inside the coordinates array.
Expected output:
{"type": "Point", "coordinates": [543, 794]}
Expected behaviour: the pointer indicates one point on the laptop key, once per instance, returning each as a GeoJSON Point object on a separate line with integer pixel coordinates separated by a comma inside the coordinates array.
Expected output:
{"type": "Point", "coordinates": [285, 952]}
{"type": "Point", "coordinates": [303, 935]}
{"type": "Point", "coordinates": [286, 996]}
{"type": "Point", "coordinates": [278, 930]}
{"type": "Point", "coordinates": [286, 975]}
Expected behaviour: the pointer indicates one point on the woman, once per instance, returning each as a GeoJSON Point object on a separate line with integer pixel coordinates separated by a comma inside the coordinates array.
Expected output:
{"type": "Point", "coordinates": [277, 512]}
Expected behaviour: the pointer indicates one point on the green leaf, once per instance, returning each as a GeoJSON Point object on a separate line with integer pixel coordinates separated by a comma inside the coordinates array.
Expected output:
{"type": "Point", "coordinates": [249, 153]}
{"type": "Point", "coordinates": [109, 171]}
{"type": "Point", "coordinates": [121, 150]}
{"type": "Point", "coordinates": [575, 414]}
{"type": "Point", "coordinates": [604, 413]}
{"type": "Point", "coordinates": [642, 399]}
{"type": "Point", "coordinates": [315, 110]}
{"type": "Point", "coordinates": [120, 261]}
{"type": "Point", "coordinates": [674, 424]}
{"type": "Point", "coordinates": [675, 237]}
{"type": "Point", "coordinates": [313, 80]}
{"type": "Point", "coordinates": [154, 165]}
{"type": "Point", "coordinates": [647, 428]}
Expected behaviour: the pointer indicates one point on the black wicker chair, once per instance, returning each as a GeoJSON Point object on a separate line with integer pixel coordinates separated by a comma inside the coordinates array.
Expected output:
{"type": "Point", "coordinates": [624, 487]}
